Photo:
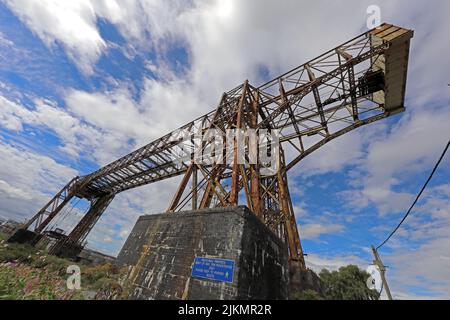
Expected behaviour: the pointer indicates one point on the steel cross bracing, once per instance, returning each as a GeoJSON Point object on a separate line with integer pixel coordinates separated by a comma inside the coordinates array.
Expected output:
{"type": "Point", "coordinates": [345, 88]}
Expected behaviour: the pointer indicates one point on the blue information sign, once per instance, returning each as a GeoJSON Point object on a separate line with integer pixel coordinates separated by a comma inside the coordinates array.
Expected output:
{"type": "Point", "coordinates": [213, 269]}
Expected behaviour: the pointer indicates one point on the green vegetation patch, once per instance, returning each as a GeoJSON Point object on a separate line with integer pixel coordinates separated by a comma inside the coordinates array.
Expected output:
{"type": "Point", "coordinates": [29, 273]}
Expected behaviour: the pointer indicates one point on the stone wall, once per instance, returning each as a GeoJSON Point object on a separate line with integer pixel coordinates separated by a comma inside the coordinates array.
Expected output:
{"type": "Point", "coordinates": [161, 249]}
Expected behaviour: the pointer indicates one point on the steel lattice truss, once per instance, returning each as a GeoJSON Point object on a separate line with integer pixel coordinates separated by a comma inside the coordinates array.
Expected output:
{"type": "Point", "coordinates": [356, 83]}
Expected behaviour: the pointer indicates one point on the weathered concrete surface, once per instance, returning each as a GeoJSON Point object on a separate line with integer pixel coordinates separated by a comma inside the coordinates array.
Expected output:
{"type": "Point", "coordinates": [170, 243]}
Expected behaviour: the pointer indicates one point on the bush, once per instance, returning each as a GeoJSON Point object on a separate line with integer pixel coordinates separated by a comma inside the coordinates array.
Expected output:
{"type": "Point", "coordinates": [98, 276]}
{"type": "Point", "coordinates": [22, 282]}
{"type": "Point", "coordinates": [16, 252]}
{"type": "Point", "coordinates": [348, 283]}
{"type": "Point", "coordinates": [28, 273]}
{"type": "Point", "coordinates": [56, 264]}
{"type": "Point", "coordinates": [307, 295]}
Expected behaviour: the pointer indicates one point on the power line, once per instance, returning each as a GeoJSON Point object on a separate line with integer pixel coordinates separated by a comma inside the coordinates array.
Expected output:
{"type": "Point", "coordinates": [418, 196]}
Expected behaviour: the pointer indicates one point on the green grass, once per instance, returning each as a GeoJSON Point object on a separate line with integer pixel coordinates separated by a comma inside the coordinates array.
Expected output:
{"type": "Point", "coordinates": [3, 236]}
{"type": "Point", "coordinates": [21, 282]}
{"type": "Point", "coordinates": [28, 273]}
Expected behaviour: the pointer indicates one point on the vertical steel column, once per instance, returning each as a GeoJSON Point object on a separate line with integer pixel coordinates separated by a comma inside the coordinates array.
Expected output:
{"type": "Point", "coordinates": [238, 125]}
{"type": "Point", "coordinates": [81, 230]}
{"type": "Point", "coordinates": [194, 187]}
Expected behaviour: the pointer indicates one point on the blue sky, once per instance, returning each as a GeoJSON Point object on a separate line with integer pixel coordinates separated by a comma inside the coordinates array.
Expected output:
{"type": "Point", "coordinates": [84, 82]}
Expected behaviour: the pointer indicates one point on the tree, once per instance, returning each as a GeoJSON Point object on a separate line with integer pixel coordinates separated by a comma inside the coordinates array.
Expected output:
{"type": "Point", "coordinates": [349, 283]}
{"type": "Point", "coordinates": [308, 294]}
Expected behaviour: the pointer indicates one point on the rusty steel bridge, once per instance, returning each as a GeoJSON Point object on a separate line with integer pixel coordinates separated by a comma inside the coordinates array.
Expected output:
{"type": "Point", "coordinates": [352, 85]}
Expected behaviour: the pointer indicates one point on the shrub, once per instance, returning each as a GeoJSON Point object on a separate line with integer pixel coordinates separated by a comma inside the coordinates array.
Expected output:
{"type": "Point", "coordinates": [307, 295]}
{"type": "Point", "coordinates": [16, 252]}
{"type": "Point", "coordinates": [28, 273]}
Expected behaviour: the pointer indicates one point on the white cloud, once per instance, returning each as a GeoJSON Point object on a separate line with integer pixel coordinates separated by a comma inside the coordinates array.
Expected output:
{"type": "Point", "coordinates": [315, 230]}
{"type": "Point", "coordinates": [77, 137]}
{"type": "Point", "coordinates": [28, 180]}
{"type": "Point", "coordinates": [71, 23]}
{"type": "Point", "coordinates": [11, 115]}
{"type": "Point", "coordinates": [410, 147]}
{"type": "Point", "coordinates": [107, 111]}
{"type": "Point", "coordinates": [426, 267]}
{"type": "Point", "coordinates": [162, 108]}
{"type": "Point", "coordinates": [317, 262]}
{"type": "Point", "coordinates": [14, 192]}
{"type": "Point", "coordinates": [418, 252]}
{"type": "Point", "coordinates": [333, 157]}
{"type": "Point", "coordinates": [228, 42]}
{"type": "Point", "coordinates": [213, 31]}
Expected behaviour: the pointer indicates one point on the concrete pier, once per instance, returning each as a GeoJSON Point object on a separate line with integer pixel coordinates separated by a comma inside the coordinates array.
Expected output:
{"type": "Point", "coordinates": [225, 253]}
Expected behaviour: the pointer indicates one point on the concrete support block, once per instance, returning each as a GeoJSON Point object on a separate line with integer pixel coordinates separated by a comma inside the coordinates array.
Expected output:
{"type": "Point", "coordinates": [161, 250]}
{"type": "Point", "coordinates": [24, 236]}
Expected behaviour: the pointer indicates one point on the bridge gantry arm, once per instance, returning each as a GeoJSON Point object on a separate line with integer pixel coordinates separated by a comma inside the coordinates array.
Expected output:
{"type": "Point", "coordinates": [315, 97]}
